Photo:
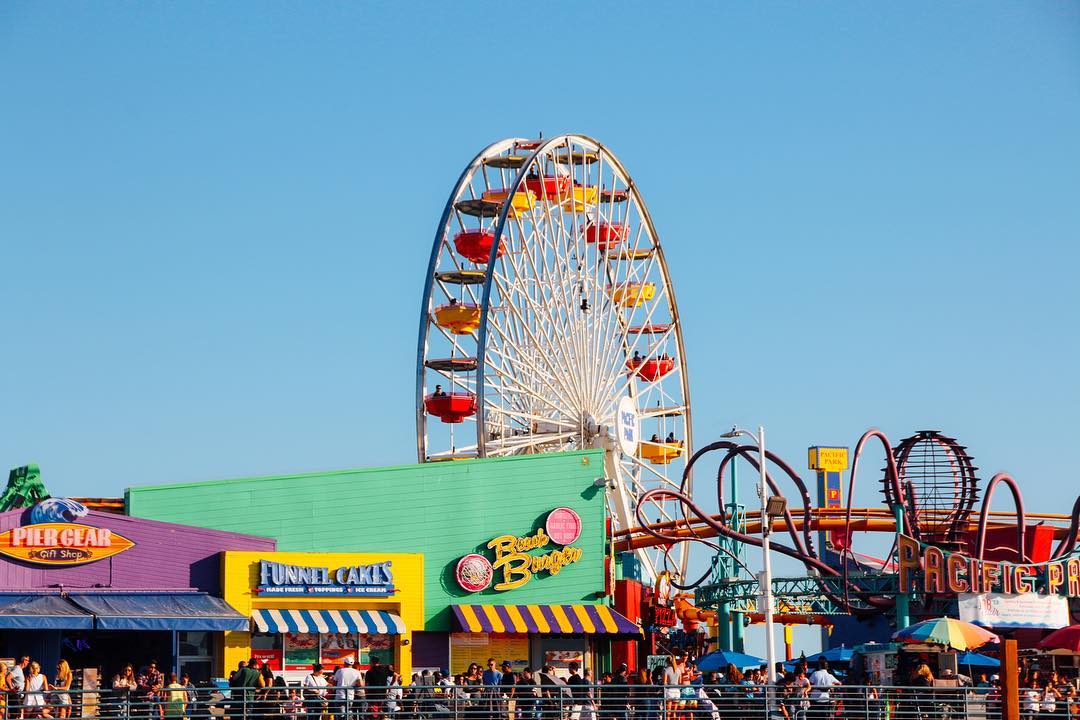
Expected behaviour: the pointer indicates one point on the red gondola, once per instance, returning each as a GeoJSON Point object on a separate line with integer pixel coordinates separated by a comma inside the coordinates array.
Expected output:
{"type": "Point", "coordinates": [605, 235]}
{"type": "Point", "coordinates": [550, 187]}
{"type": "Point", "coordinates": [475, 245]}
{"type": "Point", "coordinates": [451, 407]}
{"type": "Point", "coordinates": [652, 369]}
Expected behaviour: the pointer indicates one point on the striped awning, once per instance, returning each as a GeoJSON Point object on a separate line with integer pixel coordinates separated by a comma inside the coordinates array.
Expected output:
{"type": "Point", "coordinates": [377, 622]}
{"type": "Point", "coordinates": [544, 619]}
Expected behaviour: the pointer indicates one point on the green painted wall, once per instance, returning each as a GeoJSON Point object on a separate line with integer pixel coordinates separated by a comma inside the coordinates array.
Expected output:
{"type": "Point", "coordinates": [444, 510]}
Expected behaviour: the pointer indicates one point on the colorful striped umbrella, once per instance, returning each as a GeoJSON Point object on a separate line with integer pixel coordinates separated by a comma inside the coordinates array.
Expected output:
{"type": "Point", "coordinates": [953, 633]}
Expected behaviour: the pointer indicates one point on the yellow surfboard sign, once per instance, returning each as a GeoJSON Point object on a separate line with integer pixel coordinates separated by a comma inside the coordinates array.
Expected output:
{"type": "Point", "coordinates": [62, 543]}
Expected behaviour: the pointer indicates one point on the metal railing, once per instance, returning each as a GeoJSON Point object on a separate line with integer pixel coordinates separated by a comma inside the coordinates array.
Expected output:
{"type": "Point", "coordinates": [525, 702]}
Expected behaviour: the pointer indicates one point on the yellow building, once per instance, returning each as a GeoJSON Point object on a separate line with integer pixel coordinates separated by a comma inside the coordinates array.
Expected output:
{"type": "Point", "coordinates": [309, 607]}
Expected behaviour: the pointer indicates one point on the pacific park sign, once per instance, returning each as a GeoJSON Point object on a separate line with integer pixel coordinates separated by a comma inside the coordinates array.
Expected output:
{"type": "Point", "coordinates": [932, 570]}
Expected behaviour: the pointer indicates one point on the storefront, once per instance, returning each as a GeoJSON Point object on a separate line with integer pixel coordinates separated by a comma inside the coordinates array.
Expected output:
{"type": "Point", "coordinates": [517, 560]}
{"type": "Point", "coordinates": [100, 590]}
{"type": "Point", "coordinates": [516, 566]}
{"type": "Point", "coordinates": [308, 608]}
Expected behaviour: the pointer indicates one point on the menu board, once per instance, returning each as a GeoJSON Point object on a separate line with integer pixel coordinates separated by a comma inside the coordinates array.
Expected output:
{"type": "Point", "coordinates": [301, 650]}
{"type": "Point", "coordinates": [336, 647]}
{"type": "Point", "coordinates": [376, 646]}
{"type": "Point", "coordinates": [468, 648]}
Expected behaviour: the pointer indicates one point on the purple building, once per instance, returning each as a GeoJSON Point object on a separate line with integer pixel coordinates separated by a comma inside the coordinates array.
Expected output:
{"type": "Point", "coordinates": [100, 590]}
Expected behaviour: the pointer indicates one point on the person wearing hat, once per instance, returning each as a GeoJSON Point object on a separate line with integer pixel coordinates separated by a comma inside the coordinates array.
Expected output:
{"type": "Point", "coordinates": [346, 679]}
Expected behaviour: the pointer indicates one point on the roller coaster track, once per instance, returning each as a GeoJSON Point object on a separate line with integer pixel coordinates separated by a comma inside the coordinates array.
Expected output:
{"type": "Point", "coordinates": [821, 519]}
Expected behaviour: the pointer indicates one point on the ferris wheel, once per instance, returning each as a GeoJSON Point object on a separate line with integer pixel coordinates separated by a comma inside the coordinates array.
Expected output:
{"type": "Point", "coordinates": [549, 323]}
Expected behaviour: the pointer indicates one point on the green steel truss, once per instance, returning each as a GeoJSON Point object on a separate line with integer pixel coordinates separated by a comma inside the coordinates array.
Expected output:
{"type": "Point", "coordinates": [795, 595]}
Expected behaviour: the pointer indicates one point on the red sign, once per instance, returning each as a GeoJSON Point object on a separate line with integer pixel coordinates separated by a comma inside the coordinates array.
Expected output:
{"type": "Point", "coordinates": [270, 657]}
{"type": "Point", "coordinates": [563, 526]}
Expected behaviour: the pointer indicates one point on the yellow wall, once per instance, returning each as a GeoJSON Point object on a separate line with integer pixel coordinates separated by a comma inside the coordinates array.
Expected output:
{"type": "Point", "coordinates": [240, 577]}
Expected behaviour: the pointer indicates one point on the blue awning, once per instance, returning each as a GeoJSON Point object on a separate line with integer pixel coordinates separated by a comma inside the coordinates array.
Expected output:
{"type": "Point", "coordinates": [41, 612]}
{"type": "Point", "coordinates": [159, 611]}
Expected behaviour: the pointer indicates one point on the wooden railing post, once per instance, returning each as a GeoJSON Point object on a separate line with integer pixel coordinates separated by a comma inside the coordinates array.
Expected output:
{"type": "Point", "coordinates": [1010, 682]}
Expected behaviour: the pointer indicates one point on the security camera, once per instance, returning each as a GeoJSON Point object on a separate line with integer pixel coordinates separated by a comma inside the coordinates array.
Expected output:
{"type": "Point", "coordinates": [602, 482]}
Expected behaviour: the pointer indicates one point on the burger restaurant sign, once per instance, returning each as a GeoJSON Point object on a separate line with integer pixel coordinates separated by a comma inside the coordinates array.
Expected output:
{"type": "Point", "coordinates": [517, 559]}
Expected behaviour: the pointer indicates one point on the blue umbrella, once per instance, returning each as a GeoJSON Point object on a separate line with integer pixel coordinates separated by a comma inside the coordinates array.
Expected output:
{"type": "Point", "coordinates": [974, 659]}
{"type": "Point", "coordinates": [720, 659]}
{"type": "Point", "coordinates": [840, 654]}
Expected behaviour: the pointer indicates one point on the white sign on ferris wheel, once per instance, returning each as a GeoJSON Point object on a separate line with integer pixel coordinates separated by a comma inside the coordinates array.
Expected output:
{"type": "Point", "coordinates": [628, 425]}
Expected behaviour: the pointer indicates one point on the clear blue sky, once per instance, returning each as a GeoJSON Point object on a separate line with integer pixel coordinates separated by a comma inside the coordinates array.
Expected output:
{"type": "Point", "coordinates": [215, 218]}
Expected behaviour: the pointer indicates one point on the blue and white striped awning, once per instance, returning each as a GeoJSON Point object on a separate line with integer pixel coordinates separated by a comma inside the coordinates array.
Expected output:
{"type": "Point", "coordinates": [376, 622]}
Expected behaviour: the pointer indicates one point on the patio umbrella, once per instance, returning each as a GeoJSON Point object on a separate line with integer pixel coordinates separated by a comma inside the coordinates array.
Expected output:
{"type": "Point", "coordinates": [720, 659]}
{"type": "Point", "coordinates": [1067, 638]}
{"type": "Point", "coordinates": [972, 659]}
{"type": "Point", "coordinates": [833, 655]}
{"type": "Point", "coordinates": [953, 633]}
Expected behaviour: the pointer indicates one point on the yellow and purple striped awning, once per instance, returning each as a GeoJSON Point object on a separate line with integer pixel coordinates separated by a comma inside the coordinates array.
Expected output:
{"type": "Point", "coordinates": [543, 619]}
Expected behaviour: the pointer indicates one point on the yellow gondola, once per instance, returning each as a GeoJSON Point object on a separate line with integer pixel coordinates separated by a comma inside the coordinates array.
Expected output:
{"type": "Point", "coordinates": [458, 318]}
{"type": "Point", "coordinates": [660, 453]}
{"type": "Point", "coordinates": [632, 294]}
{"type": "Point", "coordinates": [523, 200]}
{"type": "Point", "coordinates": [580, 199]}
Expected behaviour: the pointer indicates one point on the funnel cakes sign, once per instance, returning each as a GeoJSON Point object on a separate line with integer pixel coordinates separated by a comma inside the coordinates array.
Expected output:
{"type": "Point", "coordinates": [50, 539]}
{"type": "Point", "coordinates": [518, 559]}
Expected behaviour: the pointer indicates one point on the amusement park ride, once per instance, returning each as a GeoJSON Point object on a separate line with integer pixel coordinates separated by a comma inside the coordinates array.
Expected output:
{"type": "Point", "coordinates": [549, 323]}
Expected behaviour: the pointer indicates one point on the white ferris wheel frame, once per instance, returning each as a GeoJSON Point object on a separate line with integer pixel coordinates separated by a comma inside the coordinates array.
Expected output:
{"type": "Point", "coordinates": [628, 484]}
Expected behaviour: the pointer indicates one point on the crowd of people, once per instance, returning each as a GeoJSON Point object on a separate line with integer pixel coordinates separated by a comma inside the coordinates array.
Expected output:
{"type": "Point", "coordinates": [29, 692]}
{"type": "Point", "coordinates": [26, 692]}
{"type": "Point", "coordinates": [675, 690]}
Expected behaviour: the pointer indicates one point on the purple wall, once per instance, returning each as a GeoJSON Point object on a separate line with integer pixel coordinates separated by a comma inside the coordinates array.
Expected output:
{"type": "Point", "coordinates": [165, 557]}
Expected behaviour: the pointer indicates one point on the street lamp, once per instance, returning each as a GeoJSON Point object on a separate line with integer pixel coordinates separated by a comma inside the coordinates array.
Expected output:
{"type": "Point", "coordinates": [765, 579]}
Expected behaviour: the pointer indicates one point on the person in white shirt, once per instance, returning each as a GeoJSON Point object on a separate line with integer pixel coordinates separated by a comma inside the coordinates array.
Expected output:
{"type": "Point", "coordinates": [315, 692]}
{"type": "Point", "coordinates": [820, 682]}
{"type": "Point", "coordinates": [346, 678]}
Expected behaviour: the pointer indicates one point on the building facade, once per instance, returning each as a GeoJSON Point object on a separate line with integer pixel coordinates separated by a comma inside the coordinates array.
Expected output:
{"type": "Point", "coordinates": [516, 554]}
{"type": "Point", "coordinates": [101, 589]}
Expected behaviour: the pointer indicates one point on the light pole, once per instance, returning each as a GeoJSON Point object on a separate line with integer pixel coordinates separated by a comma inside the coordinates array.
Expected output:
{"type": "Point", "coordinates": [765, 579]}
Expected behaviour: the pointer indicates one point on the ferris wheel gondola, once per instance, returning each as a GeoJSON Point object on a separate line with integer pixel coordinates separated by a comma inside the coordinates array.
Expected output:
{"type": "Point", "coordinates": [549, 323]}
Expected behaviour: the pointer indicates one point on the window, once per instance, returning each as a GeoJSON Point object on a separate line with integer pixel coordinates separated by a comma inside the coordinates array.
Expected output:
{"type": "Point", "coordinates": [196, 655]}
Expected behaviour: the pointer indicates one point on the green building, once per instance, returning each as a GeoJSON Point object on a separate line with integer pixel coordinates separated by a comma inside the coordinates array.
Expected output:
{"type": "Point", "coordinates": [445, 511]}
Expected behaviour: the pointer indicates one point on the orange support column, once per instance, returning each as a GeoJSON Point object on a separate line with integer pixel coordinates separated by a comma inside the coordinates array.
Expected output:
{"type": "Point", "coordinates": [1010, 682]}
{"type": "Point", "coordinates": [787, 642]}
